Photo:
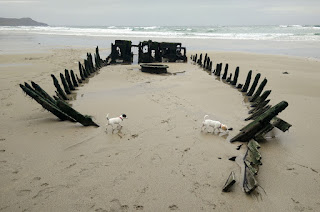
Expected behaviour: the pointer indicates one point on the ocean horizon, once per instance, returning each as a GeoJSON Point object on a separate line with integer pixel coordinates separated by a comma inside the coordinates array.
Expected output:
{"type": "Point", "coordinates": [294, 40]}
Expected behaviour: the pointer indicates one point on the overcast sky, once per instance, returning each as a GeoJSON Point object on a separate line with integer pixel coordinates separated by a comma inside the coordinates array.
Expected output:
{"type": "Point", "coordinates": [164, 12]}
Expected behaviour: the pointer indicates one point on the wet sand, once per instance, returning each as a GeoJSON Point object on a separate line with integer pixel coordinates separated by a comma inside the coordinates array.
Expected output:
{"type": "Point", "coordinates": [160, 161]}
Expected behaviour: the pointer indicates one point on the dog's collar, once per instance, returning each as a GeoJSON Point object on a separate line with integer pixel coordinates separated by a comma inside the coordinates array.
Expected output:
{"type": "Point", "coordinates": [220, 125]}
{"type": "Point", "coordinates": [121, 118]}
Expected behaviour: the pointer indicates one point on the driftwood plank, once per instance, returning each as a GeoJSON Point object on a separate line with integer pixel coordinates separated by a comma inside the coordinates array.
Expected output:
{"type": "Point", "coordinates": [229, 183]}
{"type": "Point", "coordinates": [250, 183]}
{"type": "Point", "coordinates": [252, 161]}
{"type": "Point", "coordinates": [260, 134]}
{"type": "Point", "coordinates": [280, 124]}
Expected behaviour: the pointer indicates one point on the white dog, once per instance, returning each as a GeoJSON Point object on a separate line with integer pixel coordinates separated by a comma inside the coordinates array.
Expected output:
{"type": "Point", "coordinates": [217, 126]}
{"type": "Point", "coordinates": [115, 121]}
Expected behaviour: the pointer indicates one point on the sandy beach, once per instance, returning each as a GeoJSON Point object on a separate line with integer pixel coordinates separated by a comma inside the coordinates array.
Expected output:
{"type": "Point", "coordinates": [160, 161]}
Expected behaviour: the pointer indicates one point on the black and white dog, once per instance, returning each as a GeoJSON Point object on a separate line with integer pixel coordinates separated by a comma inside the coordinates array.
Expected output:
{"type": "Point", "coordinates": [115, 121]}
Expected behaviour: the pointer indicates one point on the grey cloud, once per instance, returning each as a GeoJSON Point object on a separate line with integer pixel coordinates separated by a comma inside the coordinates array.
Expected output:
{"type": "Point", "coordinates": [165, 12]}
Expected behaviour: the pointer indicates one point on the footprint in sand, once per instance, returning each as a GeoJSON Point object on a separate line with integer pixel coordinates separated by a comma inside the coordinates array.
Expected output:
{"type": "Point", "coordinates": [100, 210]}
{"type": "Point", "coordinates": [156, 159]}
{"type": "Point", "coordinates": [71, 165]}
{"type": "Point", "coordinates": [124, 207]}
{"type": "Point", "coordinates": [115, 205]}
{"type": "Point", "coordinates": [138, 207]}
{"type": "Point", "coordinates": [23, 192]}
{"type": "Point", "coordinates": [173, 207]}
{"type": "Point", "coordinates": [36, 178]}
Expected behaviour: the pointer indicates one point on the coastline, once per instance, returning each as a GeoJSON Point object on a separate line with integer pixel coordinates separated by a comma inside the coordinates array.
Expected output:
{"type": "Point", "coordinates": [16, 42]}
{"type": "Point", "coordinates": [161, 161]}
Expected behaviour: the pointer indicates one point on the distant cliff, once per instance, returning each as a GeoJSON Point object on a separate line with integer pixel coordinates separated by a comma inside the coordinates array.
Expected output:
{"type": "Point", "coordinates": [20, 22]}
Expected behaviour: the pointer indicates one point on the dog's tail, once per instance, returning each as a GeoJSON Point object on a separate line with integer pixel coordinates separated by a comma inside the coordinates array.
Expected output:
{"type": "Point", "coordinates": [204, 118]}
{"type": "Point", "coordinates": [107, 117]}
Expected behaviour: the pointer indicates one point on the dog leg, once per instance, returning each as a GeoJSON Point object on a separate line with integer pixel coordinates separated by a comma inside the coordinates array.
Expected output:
{"type": "Point", "coordinates": [120, 127]}
{"type": "Point", "coordinates": [202, 127]}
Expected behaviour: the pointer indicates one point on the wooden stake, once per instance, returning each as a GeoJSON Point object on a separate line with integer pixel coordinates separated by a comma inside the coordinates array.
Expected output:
{"type": "Point", "coordinates": [261, 98]}
{"type": "Point", "coordinates": [84, 120]}
{"type": "Point", "coordinates": [229, 78]}
{"type": "Point", "coordinates": [81, 72]}
{"type": "Point", "coordinates": [259, 106]}
{"type": "Point", "coordinates": [236, 74]}
{"type": "Point", "coordinates": [254, 84]}
{"type": "Point", "coordinates": [43, 93]}
{"type": "Point", "coordinates": [259, 91]}
{"type": "Point", "coordinates": [249, 132]}
{"type": "Point", "coordinates": [46, 104]}
{"type": "Point", "coordinates": [74, 80]}
{"type": "Point", "coordinates": [58, 87]}
{"type": "Point", "coordinates": [225, 71]}
{"type": "Point", "coordinates": [68, 78]}
{"type": "Point", "coordinates": [64, 83]}
{"type": "Point", "coordinates": [79, 80]}
{"type": "Point", "coordinates": [258, 113]}
{"type": "Point", "coordinates": [246, 85]}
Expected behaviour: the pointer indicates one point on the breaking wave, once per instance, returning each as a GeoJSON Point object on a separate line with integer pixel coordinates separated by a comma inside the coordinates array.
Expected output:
{"type": "Point", "coordinates": [278, 33]}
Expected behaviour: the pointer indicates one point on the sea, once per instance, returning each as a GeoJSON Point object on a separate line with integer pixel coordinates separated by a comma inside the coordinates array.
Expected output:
{"type": "Point", "coordinates": [293, 40]}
